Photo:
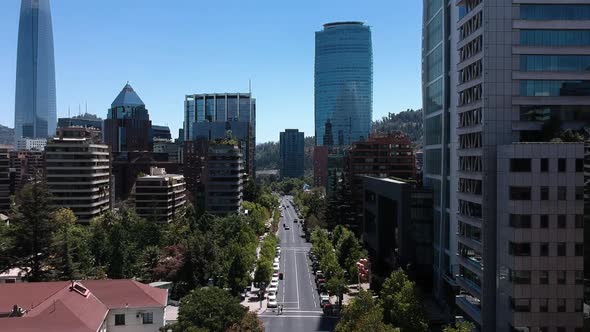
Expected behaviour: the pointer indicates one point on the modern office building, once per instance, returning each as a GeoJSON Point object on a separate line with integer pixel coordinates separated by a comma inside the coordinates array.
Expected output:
{"type": "Point", "coordinates": [31, 144]}
{"type": "Point", "coordinates": [128, 126]}
{"type": "Point", "coordinates": [223, 178]}
{"type": "Point", "coordinates": [507, 73]}
{"type": "Point", "coordinates": [85, 120]}
{"type": "Point", "coordinates": [161, 132]}
{"type": "Point", "coordinates": [213, 116]}
{"type": "Point", "coordinates": [78, 172]}
{"type": "Point", "coordinates": [35, 114]}
{"type": "Point", "coordinates": [343, 83]}
{"type": "Point", "coordinates": [292, 145]}
{"type": "Point", "coordinates": [159, 197]}
{"type": "Point", "coordinates": [4, 180]}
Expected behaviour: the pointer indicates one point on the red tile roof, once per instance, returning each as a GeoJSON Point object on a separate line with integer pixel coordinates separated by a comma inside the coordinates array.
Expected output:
{"type": "Point", "coordinates": [123, 293]}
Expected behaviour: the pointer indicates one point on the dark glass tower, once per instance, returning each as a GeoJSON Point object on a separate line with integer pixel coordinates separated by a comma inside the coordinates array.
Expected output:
{"type": "Point", "coordinates": [292, 147]}
{"type": "Point", "coordinates": [35, 109]}
{"type": "Point", "coordinates": [343, 83]}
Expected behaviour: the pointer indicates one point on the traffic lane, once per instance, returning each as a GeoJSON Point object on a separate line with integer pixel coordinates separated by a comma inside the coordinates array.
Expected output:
{"type": "Point", "coordinates": [308, 297]}
{"type": "Point", "coordinates": [298, 323]}
{"type": "Point", "coordinates": [290, 298]}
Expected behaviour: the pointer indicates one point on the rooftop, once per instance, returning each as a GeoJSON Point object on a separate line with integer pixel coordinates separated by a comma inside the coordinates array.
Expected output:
{"type": "Point", "coordinates": [127, 97]}
{"type": "Point", "coordinates": [343, 23]}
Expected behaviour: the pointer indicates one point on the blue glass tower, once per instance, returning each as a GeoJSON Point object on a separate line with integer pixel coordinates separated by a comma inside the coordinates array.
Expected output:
{"type": "Point", "coordinates": [343, 83]}
{"type": "Point", "coordinates": [35, 108]}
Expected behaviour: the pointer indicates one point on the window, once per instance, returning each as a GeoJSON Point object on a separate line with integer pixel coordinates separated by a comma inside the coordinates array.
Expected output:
{"type": "Point", "coordinates": [120, 319]}
{"type": "Point", "coordinates": [549, 88]}
{"type": "Point", "coordinates": [520, 193]}
{"type": "Point", "coordinates": [579, 277]}
{"type": "Point", "coordinates": [555, 37]}
{"type": "Point", "coordinates": [544, 277]}
{"type": "Point", "coordinates": [579, 249]}
{"type": "Point", "coordinates": [554, 62]}
{"type": "Point", "coordinates": [544, 165]}
{"type": "Point", "coordinates": [544, 193]}
{"type": "Point", "coordinates": [579, 221]}
{"type": "Point", "coordinates": [561, 221]}
{"type": "Point", "coordinates": [579, 165]}
{"type": "Point", "coordinates": [579, 193]}
{"type": "Point", "coordinates": [543, 221]}
{"type": "Point", "coordinates": [520, 221]}
{"type": "Point", "coordinates": [521, 305]}
{"type": "Point", "coordinates": [148, 317]}
{"type": "Point", "coordinates": [561, 277]}
{"type": "Point", "coordinates": [520, 165]}
{"type": "Point", "coordinates": [555, 12]}
{"type": "Point", "coordinates": [561, 249]}
{"type": "Point", "coordinates": [578, 305]}
{"type": "Point", "coordinates": [561, 165]}
{"type": "Point", "coordinates": [519, 249]}
{"type": "Point", "coordinates": [561, 193]}
{"type": "Point", "coordinates": [544, 249]}
{"type": "Point", "coordinates": [543, 305]}
{"type": "Point", "coordinates": [560, 305]}
{"type": "Point", "coordinates": [520, 277]}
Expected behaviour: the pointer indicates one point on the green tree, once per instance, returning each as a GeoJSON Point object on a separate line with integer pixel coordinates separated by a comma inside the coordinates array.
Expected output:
{"type": "Point", "coordinates": [363, 314]}
{"type": "Point", "coordinates": [69, 251]}
{"type": "Point", "coordinates": [6, 244]}
{"type": "Point", "coordinates": [32, 229]}
{"type": "Point", "coordinates": [250, 323]}
{"type": "Point", "coordinates": [337, 286]}
{"type": "Point", "coordinates": [460, 327]}
{"type": "Point", "coordinates": [263, 271]}
{"type": "Point", "coordinates": [209, 308]}
{"type": "Point", "coordinates": [401, 303]}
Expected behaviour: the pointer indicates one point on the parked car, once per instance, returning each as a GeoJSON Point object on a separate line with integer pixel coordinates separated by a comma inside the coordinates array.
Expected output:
{"type": "Point", "coordinates": [274, 283]}
{"type": "Point", "coordinates": [324, 298]}
{"type": "Point", "coordinates": [272, 289]}
{"type": "Point", "coordinates": [275, 267]}
{"type": "Point", "coordinates": [272, 303]}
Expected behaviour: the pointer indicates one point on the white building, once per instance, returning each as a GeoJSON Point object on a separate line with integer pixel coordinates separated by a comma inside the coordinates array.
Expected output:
{"type": "Point", "coordinates": [31, 144]}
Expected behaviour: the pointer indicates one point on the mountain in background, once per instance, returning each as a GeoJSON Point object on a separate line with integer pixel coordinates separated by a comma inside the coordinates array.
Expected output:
{"type": "Point", "coordinates": [6, 135]}
{"type": "Point", "coordinates": [409, 122]}
{"type": "Point", "coordinates": [267, 155]}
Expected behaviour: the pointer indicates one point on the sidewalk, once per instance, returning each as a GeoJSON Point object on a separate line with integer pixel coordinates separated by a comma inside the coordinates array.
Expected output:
{"type": "Point", "coordinates": [252, 303]}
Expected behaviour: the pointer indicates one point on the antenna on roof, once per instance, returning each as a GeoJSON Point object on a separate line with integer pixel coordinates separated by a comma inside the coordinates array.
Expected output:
{"type": "Point", "coordinates": [86, 111]}
{"type": "Point", "coordinates": [68, 111]}
{"type": "Point", "coordinates": [250, 87]}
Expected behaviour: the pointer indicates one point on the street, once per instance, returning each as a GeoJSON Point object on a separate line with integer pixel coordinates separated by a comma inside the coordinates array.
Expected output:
{"type": "Point", "coordinates": [297, 292]}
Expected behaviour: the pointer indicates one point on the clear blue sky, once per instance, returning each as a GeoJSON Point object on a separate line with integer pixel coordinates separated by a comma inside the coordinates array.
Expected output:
{"type": "Point", "coordinates": [167, 49]}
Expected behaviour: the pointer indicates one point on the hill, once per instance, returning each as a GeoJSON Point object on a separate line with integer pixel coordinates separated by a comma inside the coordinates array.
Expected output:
{"type": "Point", "coordinates": [409, 122]}
{"type": "Point", "coordinates": [6, 135]}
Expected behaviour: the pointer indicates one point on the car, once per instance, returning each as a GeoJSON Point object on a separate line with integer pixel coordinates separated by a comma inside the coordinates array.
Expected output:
{"type": "Point", "coordinates": [287, 227]}
{"type": "Point", "coordinates": [324, 299]}
{"type": "Point", "coordinates": [272, 289]}
{"type": "Point", "coordinates": [275, 274]}
{"type": "Point", "coordinates": [275, 267]}
{"type": "Point", "coordinates": [276, 260]}
{"type": "Point", "coordinates": [320, 281]}
{"type": "Point", "coordinates": [274, 279]}
{"type": "Point", "coordinates": [272, 296]}
{"type": "Point", "coordinates": [272, 303]}
{"type": "Point", "coordinates": [295, 220]}
{"type": "Point", "coordinates": [274, 283]}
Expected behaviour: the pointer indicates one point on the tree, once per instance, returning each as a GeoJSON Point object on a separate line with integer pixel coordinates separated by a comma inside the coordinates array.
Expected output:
{"type": "Point", "coordinates": [6, 244]}
{"type": "Point", "coordinates": [401, 303]}
{"type": "Point", "coordinates": [209, 308]}
{"type": "Point", "coordinates": [69, 252]}
{"type": "Point", "coordinates": [32, 229]}
{"type": "Point", "coordinates": [337, 286]}
{"type": "Point", "coordinates": [250, 323]}
{"type": "Point", "coordinates": [363, 314]}
{"type": "Point", "coordinates": [263, 271]}
{"type": "Point", "coordinates": [460, 327]}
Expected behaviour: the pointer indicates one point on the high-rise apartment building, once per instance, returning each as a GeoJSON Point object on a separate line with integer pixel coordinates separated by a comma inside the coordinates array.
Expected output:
{"type": "Point", "coordinates": [292, 146]}
{"type": "Point", "coordinates": [343, 83]}
{"type": "Point", "coordinates": [85, 120]}
{"type": "Point", "coordinates": [161, 132]}
{"type": "Point", "coordinates": [214, 116]}
{"type": "Point", "coordinates": [25, 166]}
{"type": "Point", "coordinates": [4, 180]}
{"type": "Point", "coordinates": [128, 126]}
{"type": "Point", "coordinates": [509, 78]}
{"type": "Point", "coordinates": [78, 171]}
{"type": "Point", "coordinates": [31, 144]}
{"type": "Point", "coordinates": [158, 196]}
{"type": "Point", "coordinates": [35, 114]}
{"type": "Point", "coordinates": [223, 178]}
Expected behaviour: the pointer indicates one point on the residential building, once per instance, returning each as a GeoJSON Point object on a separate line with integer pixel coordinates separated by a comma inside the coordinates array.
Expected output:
{"type": "Point", "coordinates": [223, 180]}
{"type": "Point", "coordinates": [25, 166]}
{"type": "Point", "coordinates": [172, 149]}
{"type": "Point", "coordinates": [4, 180]}
{"type": "Point", "coordinates": [320, 166]}
{"type": "Point", "coordinates": [343, 83]}
{"type": "Point", "coordinates": [161, 132]}
{"type": "Point", "coordinates": [85, 120]}
{"type": "Point", "coordinates": [159, 196]}
{"type": "Point", "coordinates": [78, 172]}
{"type": "Point", "coordinates": [82, 306]}
{"type": "Point", "coordinates": [31, 144]}
{"type": "Point", "coordinates": [500, 74]}
{"type": "Point", "coordinates": [13, 275]}
{"type": "Point", "coordinates": [213, 116]}
{"type": "Point", "coordinates": [35, 114]}
{"type": "Point", "coordinates": [128, 126]}
{"type": "Point", "coordinates": [292, 145]}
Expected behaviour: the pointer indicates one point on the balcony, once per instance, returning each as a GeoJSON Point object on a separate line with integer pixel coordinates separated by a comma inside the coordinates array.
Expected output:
{"type": "Point", "coordinates": [470, 305]}
{"type": "Point", "coordinates": [468, 285]}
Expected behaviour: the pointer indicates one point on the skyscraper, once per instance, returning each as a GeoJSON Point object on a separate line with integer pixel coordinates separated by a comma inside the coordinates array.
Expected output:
{"type": "Point", "coordinates": [35, 113]}
{"type": "Point", "coordinates": [292, 146]}
{"type": "Point", "coordinates": [343, 83]}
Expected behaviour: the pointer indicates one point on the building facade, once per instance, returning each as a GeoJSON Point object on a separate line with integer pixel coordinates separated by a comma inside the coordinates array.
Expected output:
{"type": "Point", "coordinates": [35, 111]}
{"type": "Point", "coordinates": [78, 172]}
{"type": "Point", "coordinates": [292, 146]}
{"type": "Point", "coordinates": [343, 83]}
{"type": "Point", "coordinates": [4, 180]}
{"type": "Point", "coordinates": [25, 167]}
{"type": "Point", "coordinates": [159, 196]}
{"type": "Point", "coordinates": [85, 120]}
{"type": "Point", "coordinates": [31, 144]}
{"type": "Point", "coordinates": [213, 116]}
{"type": "Point", "coordinates": [224, 178]}
{"type": "Point", "coordinates": [128, 126]}
{"type": "Point", "coordinates": [161, 132]}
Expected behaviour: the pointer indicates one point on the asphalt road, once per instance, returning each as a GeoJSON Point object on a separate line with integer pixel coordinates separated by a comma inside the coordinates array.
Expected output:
{"type": "Point", "coordinates": [297, 292]}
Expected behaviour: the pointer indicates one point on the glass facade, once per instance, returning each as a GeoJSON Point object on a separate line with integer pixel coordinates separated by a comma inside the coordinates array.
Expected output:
{"type": "Point", "coordinates": [555, 37]}
{"type": "Point", "coordinates": [292, 147]}
{"type": "Point", "coordinates": [35, 105]}
{"type": "Point", "coordinates": [555, 62]}
{"type": "Point", "coordinates": [555, 12]}
{"type": "Point", "coordinates": [552, 88]}
{"type": "Point", "coordinates": [343, 83]}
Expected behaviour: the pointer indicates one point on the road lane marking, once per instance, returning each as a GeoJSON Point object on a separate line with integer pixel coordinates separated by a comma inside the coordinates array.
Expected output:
{"type": "Point", "coordinates": [296, 278]}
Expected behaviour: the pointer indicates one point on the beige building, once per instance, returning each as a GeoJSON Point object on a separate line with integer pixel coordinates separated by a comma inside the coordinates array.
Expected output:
{"type": "Point", "coordinates": [159, 196]}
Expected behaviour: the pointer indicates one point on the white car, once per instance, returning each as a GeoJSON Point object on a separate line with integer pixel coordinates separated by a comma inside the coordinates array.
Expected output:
{"type": "Point", "coordinates": [274, 283]}
{"type": "Point", "coordinates": [272, 303]}
{"type": "Point", "coordinates": [275, 267]}
{"type": "Point", "coordinates": [275, 274]}
{"type": "Point", "coordinates": [272, 289]}
{"type": "Point", "coordinates": [276, 260]}
{"type": "Point", "coordinates": [272, 296]}
{"type": "Point", "coordinates": [274, 279]}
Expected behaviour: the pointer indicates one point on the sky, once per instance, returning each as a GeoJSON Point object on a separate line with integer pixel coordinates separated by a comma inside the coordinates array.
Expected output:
{"type": "Point", "coordinates": [168, 49]}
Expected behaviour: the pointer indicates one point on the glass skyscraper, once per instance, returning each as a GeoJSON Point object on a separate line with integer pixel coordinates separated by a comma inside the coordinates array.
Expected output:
{"type": "Point", "coordinates": [35, 108]}
{"type": "Point", "coordinates": [343, 83]}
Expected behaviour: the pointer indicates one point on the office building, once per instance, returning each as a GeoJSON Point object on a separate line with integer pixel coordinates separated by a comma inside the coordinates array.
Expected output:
{"type": "Point", "coordinates": [128, 126]}
{"type": "Point", "coordinates": [4, 180]}
{"type": "Point", "coordinates": [85, 120]}
{"type": "Point", "coordinates": [89, 305]}
{"type": "Point", "coordinates": [502, 74]}
{"type": "Point", "coordinates": [292, 145]}
{"type": "Point", "coordinates": [223, 180]}
{"type": "Point", "coordinates": [172, 149]}
{"type": "Point", "coordinates": [159, 197]}
{"type": "Point", "coordinates": [25, 166]}
{"type": "Point", "coordinates": [161, 132]}
{"type": "Point", "coordinates": [320, 166]}
{"type": "Point", "coordinates": [343, 83]}
{"type": "Point", "coordinates": [31, 144]}
{"type": "Point", "coordinates": [35, 114]}
{"type": "Point", "coordinates": [213, 116]}
{"type": "Point", "coordinates": [78, 172]}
